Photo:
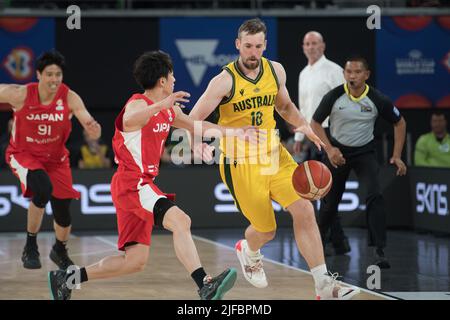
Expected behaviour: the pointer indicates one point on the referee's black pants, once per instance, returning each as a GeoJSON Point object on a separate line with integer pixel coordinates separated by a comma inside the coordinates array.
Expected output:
{"type": "Point", "coordinates": [366, 168]}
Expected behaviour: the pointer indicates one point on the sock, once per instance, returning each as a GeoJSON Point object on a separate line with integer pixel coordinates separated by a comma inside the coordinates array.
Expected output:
{"type": "Point", "coordinates": [250, 252]}
{"type": "Point", "coordinates": [198, 276]}
{"type": "Point", "coordinates": [31, 240]}
{"type": "Point", "coordinates": [83, 274]}
{"type": "Point", "coordinates": [60, 246]}
{"type": "Point", "coordinates": [319, 273]}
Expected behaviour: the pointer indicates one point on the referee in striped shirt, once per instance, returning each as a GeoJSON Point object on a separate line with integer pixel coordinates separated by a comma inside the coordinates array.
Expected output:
{"type": "Point", "coordinates": [353, 109]}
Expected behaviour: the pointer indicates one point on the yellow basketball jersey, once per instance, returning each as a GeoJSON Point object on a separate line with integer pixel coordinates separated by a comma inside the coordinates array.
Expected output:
{"type": "Point", "coordinates": [251, 103]}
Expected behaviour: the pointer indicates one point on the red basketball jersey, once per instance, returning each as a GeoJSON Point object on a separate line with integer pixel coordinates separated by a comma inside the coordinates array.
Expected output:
{"type": "Point", "coordinates": [42, 130]}
{"type": "Point", "coordinates": [140, 151]}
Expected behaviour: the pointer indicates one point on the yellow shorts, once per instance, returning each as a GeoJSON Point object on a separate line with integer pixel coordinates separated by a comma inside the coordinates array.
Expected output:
{"type": "Point", "coordinates": [253, 189]}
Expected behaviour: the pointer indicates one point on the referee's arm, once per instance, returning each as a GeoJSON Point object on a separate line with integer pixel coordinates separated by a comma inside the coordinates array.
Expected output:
{"type": "Point", "coordinates": [390, 113]}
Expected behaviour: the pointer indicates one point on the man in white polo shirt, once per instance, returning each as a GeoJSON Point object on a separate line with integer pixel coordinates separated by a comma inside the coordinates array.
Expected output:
{"type": "Point", "coordinates": [315, 80]}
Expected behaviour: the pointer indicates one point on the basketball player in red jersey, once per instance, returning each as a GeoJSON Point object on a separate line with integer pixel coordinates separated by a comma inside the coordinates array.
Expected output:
{"type": "Point", "coordinates": [141, 130]}
{"type": "Point", "coordinates": [37, 154]}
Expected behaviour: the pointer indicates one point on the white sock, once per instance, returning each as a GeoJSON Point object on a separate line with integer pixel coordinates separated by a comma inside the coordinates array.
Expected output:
{"type": "Point", "coordinates": [250, 252]}
{"type": "Point", "coordinates": [319, 273]}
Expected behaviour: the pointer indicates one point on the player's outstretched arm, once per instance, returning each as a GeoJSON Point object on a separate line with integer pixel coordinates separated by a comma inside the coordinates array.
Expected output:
{"type": "Point", "coordinates": [219, 87]}
{"type": "Point", "coordinates": [79, 110]}
{"type": "Point", "coordinates": [211, 130]}
{"type": "Point", "coordinates": [138, 112]}
{"type": "Point", "coordinates": [13, 94]}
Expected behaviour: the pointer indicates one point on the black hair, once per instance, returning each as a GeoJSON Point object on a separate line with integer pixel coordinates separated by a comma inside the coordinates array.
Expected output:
{"type": "Point", "coordinates": [358, 58]}
{"type": "Point", "coordinates": [438, 113]}
{"type": "Point", "coordinates": [48, 58]}
{"type": "Point", "coordinates": [150, 67]}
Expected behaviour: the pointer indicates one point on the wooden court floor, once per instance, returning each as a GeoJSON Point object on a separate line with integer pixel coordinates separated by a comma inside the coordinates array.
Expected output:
{"type": "Point", "coordinates": [163, 278]}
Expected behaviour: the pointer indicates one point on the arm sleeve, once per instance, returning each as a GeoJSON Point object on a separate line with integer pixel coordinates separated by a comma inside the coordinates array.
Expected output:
{"type": "Point", "coordinates": [420, 153]}
{"type": "Point", "coordinates": [326, 104]}
{"type": "Point", "coordinates": [385, 107]}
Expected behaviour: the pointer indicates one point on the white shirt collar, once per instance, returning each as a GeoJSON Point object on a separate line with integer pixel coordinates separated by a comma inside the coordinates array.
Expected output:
{"type": "Point", "coordinates": [319, 62]}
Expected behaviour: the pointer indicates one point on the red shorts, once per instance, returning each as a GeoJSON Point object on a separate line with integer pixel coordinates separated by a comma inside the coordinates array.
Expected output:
{"type": "Point", "coordinates": [134, 200]}
{"type": "Point", "coordinates": [59, 173]}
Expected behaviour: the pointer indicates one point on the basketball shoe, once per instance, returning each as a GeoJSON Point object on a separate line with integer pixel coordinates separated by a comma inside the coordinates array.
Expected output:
{"type": "Point", "coordinates": [332, 289]}
{"type": "Point", "coordinates": [30, 257]}
{"type": "Point", "coordinates": [252, 266]}
{"type": "Point", "coordinates": [57, 283]}
{"type": "Point", "coordinates": [215, 288]}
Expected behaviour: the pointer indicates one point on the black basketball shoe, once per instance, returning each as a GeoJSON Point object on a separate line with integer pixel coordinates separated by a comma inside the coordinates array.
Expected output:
{"type": "Point", "coordinates": [380, 259]}
{"type": "Point", "coordinates": [30, 257]}
{"type": "Point", "coordinates": [57, 283]}
{"type": "Point", "coordinates": [215, 288]}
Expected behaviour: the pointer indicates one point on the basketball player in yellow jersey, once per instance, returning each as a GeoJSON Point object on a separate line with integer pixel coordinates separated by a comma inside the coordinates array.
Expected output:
{"type": "Point", "coordinates": [247, 92]}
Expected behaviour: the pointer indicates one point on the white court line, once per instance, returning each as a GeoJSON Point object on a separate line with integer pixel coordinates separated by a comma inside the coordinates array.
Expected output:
{"type": "Point", "coordinates": [74, 254]}
{"type": "Point", "coordinates": [112, 244]}
{"type": "Point", "coordinates": [292, 267]}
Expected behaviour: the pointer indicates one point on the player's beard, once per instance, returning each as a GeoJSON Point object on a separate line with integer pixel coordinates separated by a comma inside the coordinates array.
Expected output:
{"type": "Point", "coordinates": [253, 66]}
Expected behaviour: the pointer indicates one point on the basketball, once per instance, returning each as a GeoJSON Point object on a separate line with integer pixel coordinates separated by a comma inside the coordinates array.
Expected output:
{"type": "Point", "coordinates": [312, 180]}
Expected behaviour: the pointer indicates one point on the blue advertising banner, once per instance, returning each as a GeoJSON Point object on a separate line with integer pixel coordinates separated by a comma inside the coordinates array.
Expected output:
{"type": "Point", "coordinates": [413, 60]}
{"type": "Point", "coordinates": [22, 40]}
{"type": "Point", "coordinates": [200, 47]}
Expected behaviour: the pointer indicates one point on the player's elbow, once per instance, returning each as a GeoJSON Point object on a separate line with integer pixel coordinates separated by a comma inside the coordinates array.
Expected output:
{"type": "Point", "coordinates": [282, 108]}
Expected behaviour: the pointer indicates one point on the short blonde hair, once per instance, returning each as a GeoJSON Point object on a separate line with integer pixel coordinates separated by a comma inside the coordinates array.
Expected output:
{"type": "Point", "coordinates": [253, 26]}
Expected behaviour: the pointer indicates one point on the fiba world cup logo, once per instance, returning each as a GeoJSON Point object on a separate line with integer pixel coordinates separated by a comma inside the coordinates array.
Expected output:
{"type": "Point", "coordinates": [19, 64]}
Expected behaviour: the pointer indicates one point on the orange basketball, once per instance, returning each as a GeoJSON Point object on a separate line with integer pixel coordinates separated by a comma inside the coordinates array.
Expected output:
{"type": "Point", "coordinates": [312, 180]}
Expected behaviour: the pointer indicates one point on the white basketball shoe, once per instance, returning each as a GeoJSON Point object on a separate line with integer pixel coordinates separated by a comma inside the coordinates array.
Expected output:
{"type": "Point", "coordinates": [252, 267]}
{"type": "Point", "coordinates": [332, 289]}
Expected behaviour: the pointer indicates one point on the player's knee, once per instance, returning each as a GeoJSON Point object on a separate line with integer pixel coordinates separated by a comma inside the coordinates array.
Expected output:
{"type": "Point", "coordinates": [61, 212]}
{"type": "Point", "coordinates": [178, 221]}
{"type": "Point", "coordinates": [41, 186]}
{"type": "Point", "coordinates": [160, 209]}
{"type": "Point", "coordinates": [184, 221]}
{"type": "Point", "coordinates": [304, 214]}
